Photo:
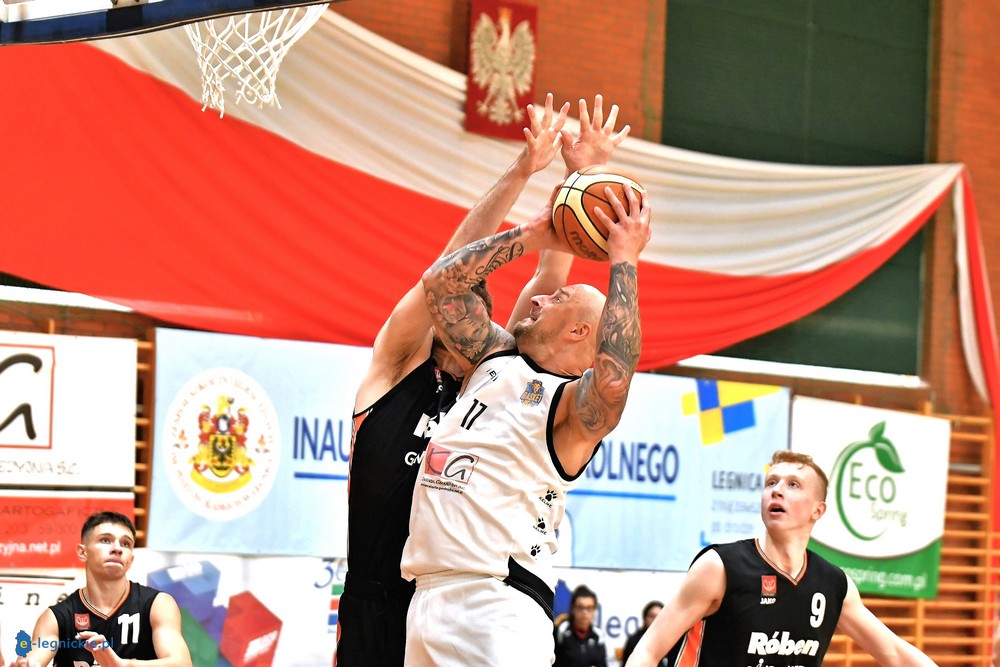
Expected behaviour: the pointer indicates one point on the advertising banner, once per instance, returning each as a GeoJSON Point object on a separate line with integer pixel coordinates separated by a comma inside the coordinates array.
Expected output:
{"type": "Point", "coordinates": [888, 475]}
{"type": "Point", "coordinates": [40, 530]}
{"type": "Point", "coordinates": [67, 411]}
{"type": "Point", "coordinates": [683, 469]}
{"type": "Point", "coordinates": [251, 444]}
{"type": "Point", "coordinates": [250, 610]}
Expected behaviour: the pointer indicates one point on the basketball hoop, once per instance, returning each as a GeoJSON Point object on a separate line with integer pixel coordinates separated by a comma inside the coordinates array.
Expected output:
{"type": "Point", "coordinates": [248, 48]}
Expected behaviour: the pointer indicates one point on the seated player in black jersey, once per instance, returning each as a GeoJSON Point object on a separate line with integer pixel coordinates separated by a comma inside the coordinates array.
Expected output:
{"type": "Point", "coordinates": [413, 379]}
{"type": "Point", "coordinates": [111, 621]}
{"type": "Point", "coordinates": [770, 601]}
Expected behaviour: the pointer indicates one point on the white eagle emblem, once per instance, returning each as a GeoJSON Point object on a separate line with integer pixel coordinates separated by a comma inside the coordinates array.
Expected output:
{"type": "Point", "coordinates": [502, 63]}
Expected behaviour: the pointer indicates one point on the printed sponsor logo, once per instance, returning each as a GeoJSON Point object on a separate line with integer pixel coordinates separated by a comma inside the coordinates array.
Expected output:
{"type": "Point", "coordinates": [780, 644]}
{"type": "Point", "coordinates": [456, 467]}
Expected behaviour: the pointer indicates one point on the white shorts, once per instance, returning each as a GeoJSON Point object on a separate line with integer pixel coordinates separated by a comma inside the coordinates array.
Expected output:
{"type": "Point", "coordinates": [475, 621]}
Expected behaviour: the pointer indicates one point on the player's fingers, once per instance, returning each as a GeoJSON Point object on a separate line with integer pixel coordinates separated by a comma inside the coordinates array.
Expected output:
{"type": "Point", "coordinates": [598, 110]}
{"type": "Point", "coordinates": [584, 115]}
{"type": "Point", "coordinates": [532, 117]}
{"type": "Point", "coordinates": [633, 200]}
{"type": "Point", "coordinates": [616, 206]}
{"type": "Point", "coordinates": [561, 118]}
{"type": "Point", "coordinates": [617, 138]}
{"type": "Point", "coordinates": [646, 212]}
{"type": "Point", "coordinates": [609, 125]}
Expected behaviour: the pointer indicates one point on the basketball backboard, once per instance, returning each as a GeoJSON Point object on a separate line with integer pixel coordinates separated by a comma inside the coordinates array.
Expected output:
{"type": "Point", "coordinates": [52, 21]}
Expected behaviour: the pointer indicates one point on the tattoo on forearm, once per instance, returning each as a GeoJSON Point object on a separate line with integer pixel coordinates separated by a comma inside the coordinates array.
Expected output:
{"type": "Point", "coordinates": [458, 313]}
{"type": "Point", "coordinates": [603, 390]}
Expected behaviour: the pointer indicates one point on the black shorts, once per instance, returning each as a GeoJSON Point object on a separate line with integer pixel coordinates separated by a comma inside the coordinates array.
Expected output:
{"type": "Point", "coordinates": [371, 624]}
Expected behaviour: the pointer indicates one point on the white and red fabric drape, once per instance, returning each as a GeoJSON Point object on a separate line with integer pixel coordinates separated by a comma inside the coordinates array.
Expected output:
{"type": "Point", "coordinates": [309, 222]}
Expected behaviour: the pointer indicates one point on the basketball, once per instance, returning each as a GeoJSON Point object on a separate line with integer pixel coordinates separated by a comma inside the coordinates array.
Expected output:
{"type": "Point", "coordinates": [573, 211]}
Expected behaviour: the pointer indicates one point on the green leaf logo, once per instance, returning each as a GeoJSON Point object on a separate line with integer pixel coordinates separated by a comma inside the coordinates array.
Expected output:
{"type": "Point", "coordinates": [888, 459]}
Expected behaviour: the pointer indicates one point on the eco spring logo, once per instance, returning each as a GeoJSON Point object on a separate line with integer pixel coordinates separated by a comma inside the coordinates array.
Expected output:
{"type": "Point", "coordinates": [865, 479]}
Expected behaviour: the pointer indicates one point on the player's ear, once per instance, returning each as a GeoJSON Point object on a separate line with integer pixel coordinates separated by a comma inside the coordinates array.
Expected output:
{"type": "Point", "coordinates": [81, 552]}
{"type": "Point", "coordinates": [819, 510]}
{"type": "Point", "coordinates": [581, 330]}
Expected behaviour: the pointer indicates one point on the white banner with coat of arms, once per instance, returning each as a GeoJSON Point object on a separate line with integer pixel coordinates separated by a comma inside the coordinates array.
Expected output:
{"type": "Point", "coordinates": [252, 444]}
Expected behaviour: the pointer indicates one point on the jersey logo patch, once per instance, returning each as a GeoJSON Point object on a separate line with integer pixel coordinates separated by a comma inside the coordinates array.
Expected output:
{"type": "Point", "coordinates": [533, 393]}
{"type": "Point", "coordinates": [768, 585]}
{"type": "Point", "coordinates": [81, 621]}
{"type": "Point", "coordinates": [456, 467]}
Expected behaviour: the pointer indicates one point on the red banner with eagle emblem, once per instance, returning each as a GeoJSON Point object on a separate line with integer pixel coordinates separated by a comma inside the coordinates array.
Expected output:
{"type": "Point", "coordinates": [501, 77]}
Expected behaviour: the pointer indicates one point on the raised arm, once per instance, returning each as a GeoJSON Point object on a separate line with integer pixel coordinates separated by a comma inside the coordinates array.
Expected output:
{"type": "Point", "coordinates": [596, 401]}
{"type": "Point", "coordinates": [458, 315]}
{"type": "Point", "coordinates": [405, 338]}
{"type": "Point", "coordinates": [699, 595]}
{"type": "Point", "coordinates": [872, 635]}
{"type": "Point", "coordinates": [542, 141]}
{"type": "Point", "coordinates": [594, 144]}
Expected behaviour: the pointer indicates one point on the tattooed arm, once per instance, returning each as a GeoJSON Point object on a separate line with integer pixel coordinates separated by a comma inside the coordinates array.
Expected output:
{"type": "Point", "coordinates": [459, 315]}
{"type": "Point", "coordinates": [404, 341]}
{"type": "Point", "coordinates": [592, 406]}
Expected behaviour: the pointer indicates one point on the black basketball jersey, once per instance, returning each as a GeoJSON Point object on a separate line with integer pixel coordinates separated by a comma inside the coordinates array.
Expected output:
{"type": "Point", "coordinates": [127, 628]}
{"type": "Point", "coordinates": [388, 443]}
{"type": "Point", "coordinates": [766, 619]}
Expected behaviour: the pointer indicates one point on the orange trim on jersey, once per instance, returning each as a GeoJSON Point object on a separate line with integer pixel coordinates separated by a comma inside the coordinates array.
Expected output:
{"type": "Point", "coordinates": [356, 424]}
{"type": "Point", "coordinates": [690, 652]}
{"type": "Point", "coordinates": [111, 613]}
{"type": "Point", "coordinates": [802, 572]}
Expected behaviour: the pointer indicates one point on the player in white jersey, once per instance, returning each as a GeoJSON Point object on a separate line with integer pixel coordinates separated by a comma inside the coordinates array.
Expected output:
{"type": "Point", "coordinates": [410, 383]}
{"type": "Point", "coordinates": [491, 489]}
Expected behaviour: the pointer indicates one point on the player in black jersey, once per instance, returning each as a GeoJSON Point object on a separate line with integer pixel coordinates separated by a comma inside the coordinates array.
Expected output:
{"type": "Point", "coordinates": [111, 621]}
{"type": "Point", "coordinates": [770, 601]}
{"type": "Point", "coordinates": [413, 379]}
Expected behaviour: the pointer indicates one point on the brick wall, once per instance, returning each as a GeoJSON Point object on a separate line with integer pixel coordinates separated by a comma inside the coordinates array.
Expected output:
{"type": "Point", "coordinates": [584, 48]}
{"type": "Point", "coordinates": [965, 128]}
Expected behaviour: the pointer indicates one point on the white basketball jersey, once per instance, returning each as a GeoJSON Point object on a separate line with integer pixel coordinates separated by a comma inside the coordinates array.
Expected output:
{"type": "Point", "coordinates": [490, 487]}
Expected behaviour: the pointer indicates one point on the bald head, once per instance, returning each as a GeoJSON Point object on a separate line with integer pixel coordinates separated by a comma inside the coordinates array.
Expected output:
{"type": "Point", "coordinates": [561, 331]}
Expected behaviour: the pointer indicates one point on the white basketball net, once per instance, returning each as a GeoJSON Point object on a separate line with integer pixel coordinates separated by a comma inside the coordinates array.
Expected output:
{"type": "Point", "coordinates": [247, 48]}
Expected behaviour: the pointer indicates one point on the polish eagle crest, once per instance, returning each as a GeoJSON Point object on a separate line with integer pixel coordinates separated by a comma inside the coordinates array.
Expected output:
{"type": "Point", "coordinates": [502, 63]}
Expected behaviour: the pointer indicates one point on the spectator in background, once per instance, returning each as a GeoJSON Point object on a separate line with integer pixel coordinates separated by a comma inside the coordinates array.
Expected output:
{"type": "Point", "coordinates": [649, 613]}
{"type": "Point", "coordinates": [578, 642]}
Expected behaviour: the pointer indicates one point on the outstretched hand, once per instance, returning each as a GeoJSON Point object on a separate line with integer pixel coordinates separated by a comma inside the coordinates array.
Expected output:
{"type": "Point", "coordinates": [597, 140]}
{"type": "Point", "coordinates": [544, 135]}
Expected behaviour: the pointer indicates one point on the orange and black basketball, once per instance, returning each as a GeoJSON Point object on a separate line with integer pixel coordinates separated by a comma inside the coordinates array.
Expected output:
{"type": "Point", "coordinates": [573, 211]}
